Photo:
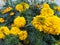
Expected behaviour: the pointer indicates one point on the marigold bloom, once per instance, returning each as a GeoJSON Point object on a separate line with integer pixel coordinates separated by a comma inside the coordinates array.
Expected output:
{"type": "Point", "coordinates": [23, 35]}
{"type": "Point", "coordinates": [57, 8]}
{"type": "Point", "coordinates": [2, 20]}
{"type": "Point", "coordinates": [19, 21]}
{"type": "Point", "coordinates": [11, 13]}
{"type": "Point", "coordinates": [19, 7]}
{"type": "Point", "coordinates": [5, 30]}
{"type": "Point", "coordinates": [14, 31]}
{"type": "Point", "coordinates": [37, 22]}
{"type": "Point", "coordinates": [46, 10]}
{"type": "Point", "coordinates": [50, 25]}
{"type": "Point", "coordinates": [7, 10]}
{"type": "Point", "coordinates": [22, 6]}
{"type": "Point", "coordinates": [25, 5]}
{"type": "Point", "coordinates": [45, 5]}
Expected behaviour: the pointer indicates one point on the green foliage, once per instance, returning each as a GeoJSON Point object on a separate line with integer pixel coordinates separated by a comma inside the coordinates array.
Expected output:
{"type": "Point", "coordinates": [1, 42]}
{"type": "Point", "coordinates": [11, 40]}
{"type": "Point", "coordinates": [34, 36]}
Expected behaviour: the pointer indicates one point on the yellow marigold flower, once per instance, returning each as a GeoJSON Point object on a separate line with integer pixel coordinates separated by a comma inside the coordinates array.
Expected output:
{"type": "Point", "coordinates": [2, 36]}
{"type": "Point", "coordinates": [5, 30]}
{"type": "Point", "coordinates": [11, 13]}
{"type": "Point", "coordinates": [25, 5]}
{"type": "Point", "coordinates": [7, 10]}
{"type": "Point", "coordinates": [2, 20]}
{"type": "Point", "coordinates": [23, 35]}
{"type": "Point", "coordinates": [37, 22]}
{"type": "Point", "coordinates": [19, 21]}
{"type": "Point", "coordinates": [45, 5]}
{"type": "Point", "coordinates": [50, 25]}
{"type": "Point", "coordinates": [47, 12]}
{"type": "Point", "coordinates": [14, 31]}
{"type": "Point", "coordinates": [19, 7]}
{"type": "Point", "coordinates": [54, 25]}
{"type": "Point", "coordinates": [57, 8]}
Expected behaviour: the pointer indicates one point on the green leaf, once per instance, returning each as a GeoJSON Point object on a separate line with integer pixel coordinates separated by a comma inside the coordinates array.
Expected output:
{"type": "Point", "coordinates": [11, 40]}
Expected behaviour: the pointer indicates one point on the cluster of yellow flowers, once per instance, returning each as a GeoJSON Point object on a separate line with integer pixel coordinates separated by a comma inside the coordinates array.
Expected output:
{"type": "Point", "coordinates": [46, 21]}
{"type": "Point", "coordinates": [7, 10]}
{"type": "Point", "coordinates": [57, 8]}
{"type": "Point", "coordinates": [14, 31]}
{"type": "Point", "coordinates": [22, 6]}
{"type": "Point", "coordinates": [46, 10]}
{"type": "Point", "coordinates": [19, 7]}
